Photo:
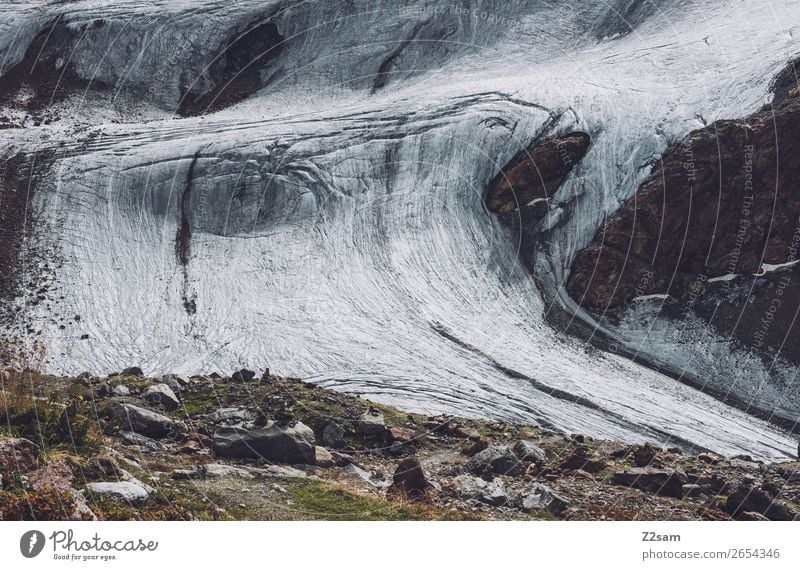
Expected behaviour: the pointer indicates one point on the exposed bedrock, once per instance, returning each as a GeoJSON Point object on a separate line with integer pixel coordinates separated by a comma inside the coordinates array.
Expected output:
{"type": "Point", "coordinates": [520, 193]}
{"type": "Point", "coordinates": [707, 229]}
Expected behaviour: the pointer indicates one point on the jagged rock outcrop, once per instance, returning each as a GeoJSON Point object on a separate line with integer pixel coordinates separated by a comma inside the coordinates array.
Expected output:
{"type": "Point", "coordinates": [708, 227]}
{"type": "Point", "coordinates": [524, 186]}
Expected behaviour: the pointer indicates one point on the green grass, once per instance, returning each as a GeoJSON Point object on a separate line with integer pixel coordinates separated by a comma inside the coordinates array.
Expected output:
{"type": "Point", "coordinates": [322, 501]}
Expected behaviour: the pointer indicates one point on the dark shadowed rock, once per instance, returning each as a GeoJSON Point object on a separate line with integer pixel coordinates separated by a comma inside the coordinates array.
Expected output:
{"type": "Point", "coordinates": [576, 461]}
{"type": "Point", "coordinates": [133, 371]}
{"type": "Point", "coordinates": [144, 422]}
{"type": "Point", "coordinates": [643, 455]}
{"type": "Point", "coordinates": [409, 480]}
{"type": "Point", "coordinates": [749, 499]}
{"type": "Point", "coordinates": [333, 436]}
{"type": "Point", "coordinates": [667, 482]}
{"type": "Point", "coordinates": [289, 443]}
{"type": "Point", "coordinates": [535, 174]}
{"type": "Point", "coordinates": [243, 375]}
{"type": "Point", "coordinates": [497, 460]}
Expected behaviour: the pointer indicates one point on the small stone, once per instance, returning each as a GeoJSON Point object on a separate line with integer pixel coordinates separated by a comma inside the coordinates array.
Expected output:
{"type": "Point", "coordinates": [121, 390]}
{"type": "Point", "coordinates": [710, 458]}
{"type": "Point", "coordinates": [214, 470]}
{"type": "Point", "coordinates": [231, 415]}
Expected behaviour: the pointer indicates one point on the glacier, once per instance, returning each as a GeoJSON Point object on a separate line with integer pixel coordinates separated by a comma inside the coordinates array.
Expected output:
{"type": "Point", "coordinates": [330, 224]}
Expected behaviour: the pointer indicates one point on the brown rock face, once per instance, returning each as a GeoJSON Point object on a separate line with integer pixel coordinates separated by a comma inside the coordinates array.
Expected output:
{"type": "Point", "coordinates": [723, 201]}
{"type": "Point", "coordinates": [534, 175]}
{"type": "Point", "coordinates": [410, 480]}
{"type": "Point", "coordinates": [18, 455]}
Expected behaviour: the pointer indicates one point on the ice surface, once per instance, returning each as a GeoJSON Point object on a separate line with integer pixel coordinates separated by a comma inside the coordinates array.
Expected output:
{"type": "Point", "coordinates": [337, 224]}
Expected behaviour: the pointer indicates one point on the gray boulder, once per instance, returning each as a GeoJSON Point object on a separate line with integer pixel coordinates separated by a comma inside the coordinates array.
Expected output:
{"type": "Point", "coordinates": [133, 371]}
{"type": "Point", "coordinates": [161, 396]}
{"type": "Point", "coordinates": [127, 491]}
{"type": "Point", "coordinates": [133, 438]}
{"type": "Point", "coordinates": [231, 415]}
{"type": "Point", "coordinates": [121, 390]}
{"type": "Point", "coordinates": [497, 460]}
{"type": "Point", "coordinates": [541, 497]}
{"type": "Point", "coordinates": [527, 451]}
{"type": "Point", "coordinates": [144, 422]}
{"type": "Point", "coordinates": [371, 423]}
{"type": "Point", "coordinates": [489, 492]}
{"type": "Point", "coordinates": [289, 443]}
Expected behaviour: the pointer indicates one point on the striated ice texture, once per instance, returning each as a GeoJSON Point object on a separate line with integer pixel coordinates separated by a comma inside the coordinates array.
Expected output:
{"type": "Point", "coordinates": [331, 225]}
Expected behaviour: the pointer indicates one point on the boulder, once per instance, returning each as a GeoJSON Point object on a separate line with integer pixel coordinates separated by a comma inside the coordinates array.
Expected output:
{"type": "Point", "coordinates": [161, 396]}
{"type": "Point", "coordinates": [371, 423]}
{"type": "Point", "coordinates": [56, 476]}
{"type": "Point", "coordinates": [133, 371]}
{"type": "Point", "coordinates": [243, 375]}
{"type": "Point", "coordinates": [133, 438]}
{"type": "Point", "coordinates": [643, 455]}
{"type": "Point", "coordinates": [497, 460]}
{"type": "Point", "coordinates": [355, 473]}
{"type": "Point", "coordinates": [323, 457]}
{"type": "Point", "coordinates": [231, 415]}
{"type": "Point", "coordinates": [211, 470]}
{"type": "Point", "coordinates": [282, 443]}
{"type": "Point", "coordinates": [120, 390]}
{"type": "Point", "coordinates": [127, 491]}
{"type": "Point", "coordinates": [18, 454]}
{"type": "Point", "coordinates": [144, 422]}
{"type": "Point", "coordinates": [474, 488]}
{"type": "Point", "coordinates": [576, 461]}
{"type": "Point", "coordinates": [668, 482]}
{"type": "Point", "coordinates": [401, 434]}
{"type": "Point", "coordinates": [749, 499]}
{"type": "Point", "coordinates": [541, 497]}
{"type": "Point", "coordinates": [409, 480]}
{"type": "Point", "coordinates": [527, 451]}
{"type": "Point", "coordinates": [333, 436]}
{"type": "Point", "coordinates": [467, 433]}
